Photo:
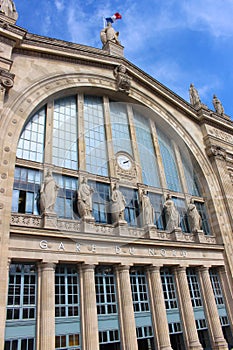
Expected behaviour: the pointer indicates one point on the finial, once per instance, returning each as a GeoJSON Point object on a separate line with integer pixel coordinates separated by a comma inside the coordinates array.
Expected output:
{"type": "Point", "coordinates": [7, 7]}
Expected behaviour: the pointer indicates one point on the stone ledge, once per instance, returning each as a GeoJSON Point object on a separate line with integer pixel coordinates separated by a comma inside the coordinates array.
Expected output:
{"type": "Point", "coordinates": [77, 226]}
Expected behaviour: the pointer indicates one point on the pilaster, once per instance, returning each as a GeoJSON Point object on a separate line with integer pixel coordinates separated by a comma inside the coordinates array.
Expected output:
{"type": "Point", "coordinates": [215, 329]}
{"type": "Point", "coordinates": [187, 314]}
{"type": "Point", "coordinates": [47, 306]}
{"type": "Point", "coordinates": [158, 309]}
{"type": "Point", "coordinates": [90, 320]}
{"type": "Point", "coordinates": [127, 326]}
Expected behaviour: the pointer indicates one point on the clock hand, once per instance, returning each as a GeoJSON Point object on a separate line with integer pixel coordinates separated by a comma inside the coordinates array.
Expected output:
{"type": "Point", "coordinates": [126, 161]}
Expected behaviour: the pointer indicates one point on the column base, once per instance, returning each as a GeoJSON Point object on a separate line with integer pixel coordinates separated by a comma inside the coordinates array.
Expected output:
{"type": "Point", "coordinates": [221, 345]}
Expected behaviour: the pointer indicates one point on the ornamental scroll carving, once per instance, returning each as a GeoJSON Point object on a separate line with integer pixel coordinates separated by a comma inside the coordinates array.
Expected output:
{"type": "Point", "coordinates": [216, 151]}
{"type": "Point", "coordinates": [7, 79]}
{"type": "Point", "coordinates": [123, 80]}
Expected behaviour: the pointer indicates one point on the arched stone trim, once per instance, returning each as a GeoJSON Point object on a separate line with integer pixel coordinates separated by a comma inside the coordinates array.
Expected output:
{"type": "Point", "coordinates": [17, 111]}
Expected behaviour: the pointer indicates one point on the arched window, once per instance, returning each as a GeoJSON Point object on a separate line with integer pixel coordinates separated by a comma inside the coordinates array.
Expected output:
{"type": "Point", "coordinates": [85, 133]}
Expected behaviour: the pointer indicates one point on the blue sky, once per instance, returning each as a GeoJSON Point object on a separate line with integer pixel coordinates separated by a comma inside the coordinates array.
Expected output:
{"type": "Point", "coordinates": [177, 42]}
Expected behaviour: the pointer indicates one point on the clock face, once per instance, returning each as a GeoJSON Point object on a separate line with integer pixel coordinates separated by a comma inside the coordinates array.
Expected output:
{"type": "Point", "coordinates": [124, 162]}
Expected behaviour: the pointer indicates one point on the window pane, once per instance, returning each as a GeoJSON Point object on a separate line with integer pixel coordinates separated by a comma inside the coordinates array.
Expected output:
{"type": "Point", "coordinates": [31, 142]}
{"type": "Point", "coordinates": [169, 162]}
{"type": "Point", "coordinates": [146, 151]}
{"type": "Point", "coordinates": [95, 139]}
{"type": "Point", "coordinates": [120, 128]}
{"type": "Point", "coordinates": [65, 134]}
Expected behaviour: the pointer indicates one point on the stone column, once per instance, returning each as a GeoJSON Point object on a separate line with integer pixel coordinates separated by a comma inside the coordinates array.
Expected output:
{"type": "Point", "coordinates": [127, 321]}
{"type": "Point", "coordinates": [187, 314]}
{"type": "Point", "coordinates": [90, 320]}
{"type": "Point", "coordinates": [47, 306]}
{"type": "Point", "coordinates": [215, 329]}
{"type": "Point", "coordinates": [227, 293]}
{"type": "Point", "coordinates": [158, 309]}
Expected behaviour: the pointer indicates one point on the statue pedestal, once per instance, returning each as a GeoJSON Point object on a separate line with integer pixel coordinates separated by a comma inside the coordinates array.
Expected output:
{"type": "Point", "coordinates": [114, 49]}
{"type": "Point", "coordinates": [151, 231]}
{"type": "Point", "coordinates": [200, 236]}
{"type": "Point", "coordinates": [120, 228]}
{"type": "Point", "coordinates": [87, 224]}
{"type": "Point", "coordinates": [177, 234]}
{"type": "Point", "coordinates": [49, 220]}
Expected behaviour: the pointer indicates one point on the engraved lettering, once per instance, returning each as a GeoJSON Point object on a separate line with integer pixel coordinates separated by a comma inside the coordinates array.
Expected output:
{"type": "Point", "coordinates": [152, 252]}
{"type": "Point", "coordinates": [61, 246]}
{"type": "Point", "coordinates": [93, 248]}
{"type": "Point", "coordinates": [44, 244]}
{"type": "Point", "coordinates": [78, 247]}
{"type": "Point", "coordinates": [118, 250]}
{"type": "Point", "coordinates": [163, 252]}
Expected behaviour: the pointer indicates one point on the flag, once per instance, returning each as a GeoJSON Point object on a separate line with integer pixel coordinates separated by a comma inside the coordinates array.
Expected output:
{"type": "Point", "coordinates": [113, 18]}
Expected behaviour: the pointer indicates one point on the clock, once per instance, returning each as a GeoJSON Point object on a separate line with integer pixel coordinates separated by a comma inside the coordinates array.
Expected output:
{"type": "Point", "coordinates": [124, 162]}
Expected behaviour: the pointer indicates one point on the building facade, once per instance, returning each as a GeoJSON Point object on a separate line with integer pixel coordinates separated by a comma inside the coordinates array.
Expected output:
{"type": "Point", "coordinates": [101, 169]}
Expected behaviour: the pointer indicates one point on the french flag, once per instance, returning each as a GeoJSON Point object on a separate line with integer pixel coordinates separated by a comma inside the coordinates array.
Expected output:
{"type": "Point", "coordinates": [113, 18]}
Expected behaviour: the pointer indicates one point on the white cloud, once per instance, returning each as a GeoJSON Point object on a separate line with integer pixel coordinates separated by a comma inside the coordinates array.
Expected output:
{"type": "Point", "coordinates": [59, 5]}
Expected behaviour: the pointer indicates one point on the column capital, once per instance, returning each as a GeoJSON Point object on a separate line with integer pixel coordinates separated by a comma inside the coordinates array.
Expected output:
{"type": "Point", "coordinates": [90, 267]}
{"type": "Point", "coordinates": [122, 268]}
{"type": "Point", "coordinates": [44, 265]}
{"type": "Point", "coordinates": [153, 269]}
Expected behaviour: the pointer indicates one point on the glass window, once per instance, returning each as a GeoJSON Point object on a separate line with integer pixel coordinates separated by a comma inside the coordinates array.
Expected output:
{"type": "Point", "coordinates": [66, 291]}
{"type": "Point", "coordinates": [132, 206]}
{"type": "Point", "coordinates": [105, 285]}
{"type": "Point", "coordinates": [194, 288]}
{"type": "Point", "coordinates": [95, 139]}
{"type": "Point", "coordinates": [67, 342]}
{"type": "Point", "coordinates": [65, 134]}
{"type": "Point", "coordinates": [101, 202]}
{"type": "Point", "coordinates": [146, 150]}
{"type": "Point", "coordinates": [31, 142]}
{"type": "Point", "coordinates": [169, 162]}
{"type": "Point", "coordinates": [181, 207]}
{"type": "Point", "coordinates": [110, 336]}
{"type": "Point", "coordinates": [66, 203]}
{"type": "Point", "coordinates": [215, 281]}
{"type": "Point", "coordinates": [190, 176]}
{"type": "Point", "coordinates": [22, 291]}
{"type": "Point", "coordinates": [120, 128]}
{"type": "Point", "coordinates": [157, 203]}
{"type": "Point", "coordinates": [23, 344]}
{"type": "Point", "coordinates": [26, 191]}
{"type": "Point", "coordinates": [204, 218]}
{"type": "Point", "coordinates": [169, 290]}
{"type": "Point", "coordinates": [139, 289]}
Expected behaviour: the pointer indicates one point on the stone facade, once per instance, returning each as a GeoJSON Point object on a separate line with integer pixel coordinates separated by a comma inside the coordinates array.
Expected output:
{"type": "Point", "coordinates": [33, 70]}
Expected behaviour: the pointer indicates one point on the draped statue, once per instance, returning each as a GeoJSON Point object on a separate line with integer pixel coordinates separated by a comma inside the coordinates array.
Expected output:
{"type": "Point", "coordinates": [85, 199]}
{"type": "Point", "coordinates": [8, 8]}
{"type": "Point", "coordinates": [148, 214]}
{"type": "Point", "coordinates": [193, 95]}
{"type": "Point", "coordinates": [48, 193]}
{"type": "Point", "coordinates": [172, 216]}
{"type": "Point", "coordinates": [218, 105]}
{"type": "Point", "coordinates": [194, 217]}
{"type": "Point", "coordinates": [117, 204]}
{"type": "Point", "coordinates": [109, 34]}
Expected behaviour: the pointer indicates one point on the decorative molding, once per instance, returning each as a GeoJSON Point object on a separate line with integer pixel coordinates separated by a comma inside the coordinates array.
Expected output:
{"type": "Point", "coordinates": [221, 135]}
{"type": "Point", "coordinates": [123, 80]}
{"type": "Point", "coordinates": [77, 226]}
{"type": "Point", "coordinates": [216, 151]}
{"type": "Point", "coordinates": [6, 79]}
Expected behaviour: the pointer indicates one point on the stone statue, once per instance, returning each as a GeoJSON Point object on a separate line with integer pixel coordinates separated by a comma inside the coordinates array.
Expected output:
{"type": "Point", "coordinates": [123, 80]}
{"type": "Point", "coordinates": [85, 199]}
{"type": "Point", "coordinates": [172, 216]}
{"type": "Point", "coordinates": [117, 204]}
{"type": "Point", "coordinates": [217, 105]}
{"type": "Point", "coordinates": [194, 217]}
{"type": "Point", "coordinates": [148, 214]}
{"type": "Point", "coordinates": [48, 193]}
{"type": "Point", "coordinates": [109, 34]}
{"type": "Point", "coordinates": [8, 8]}
{"type": "Point", "coordinates": [193, 95]}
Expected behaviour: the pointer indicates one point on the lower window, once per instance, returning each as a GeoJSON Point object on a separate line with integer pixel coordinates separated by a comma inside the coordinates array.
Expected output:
{"type": "Point", "coordinates": [20, 344]}
{"type": "Point", "coordinates": [67, 342]}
